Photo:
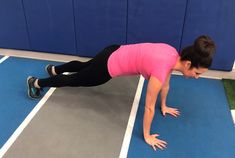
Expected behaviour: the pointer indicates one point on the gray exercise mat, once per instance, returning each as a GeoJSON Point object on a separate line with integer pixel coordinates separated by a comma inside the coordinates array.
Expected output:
{"type": "Point", "coordinates": [79, 123]}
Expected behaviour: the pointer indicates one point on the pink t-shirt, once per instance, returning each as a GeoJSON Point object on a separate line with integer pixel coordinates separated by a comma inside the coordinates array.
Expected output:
{"type": "Point", "coordinates": [147, 59]}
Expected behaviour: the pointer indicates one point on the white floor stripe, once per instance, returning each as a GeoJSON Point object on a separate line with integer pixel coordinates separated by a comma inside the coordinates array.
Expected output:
{"type": "Point", "coordinates": [131, 121]}
{"type": "Point", "coordinates": [202, 76]}
{"type": "Point", "coordinates": [19, 130]}
{"type": "Point", "coordinates": [211, 77]}
{"type": "Point", "coordinates": [233, 115]}
{"type": "Point", "coordinates": [3, 59]}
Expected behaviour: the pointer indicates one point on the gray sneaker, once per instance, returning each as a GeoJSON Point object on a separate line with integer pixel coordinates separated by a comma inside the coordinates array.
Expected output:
{"type": "Point", "coordinates": [33, 92]}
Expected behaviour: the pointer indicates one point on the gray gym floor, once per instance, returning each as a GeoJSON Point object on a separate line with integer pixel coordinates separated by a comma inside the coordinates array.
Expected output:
{"type": "Point", "coordinates": [79, 123]}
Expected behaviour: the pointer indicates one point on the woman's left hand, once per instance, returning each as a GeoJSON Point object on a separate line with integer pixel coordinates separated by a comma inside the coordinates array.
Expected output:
{"type": "Point", "coordinates": [168, 110]}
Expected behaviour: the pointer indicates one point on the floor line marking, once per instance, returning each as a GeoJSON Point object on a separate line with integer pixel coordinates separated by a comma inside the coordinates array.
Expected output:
{"type": "Point", "coordinates": [26, 121]}
{"type": "Point", "coordinates": [3, 59]}
{"type": "Point", "coordinates": [202, 76]}
{"type": "Point", "coordinates": [211, 77]}
{"type": "Point", "coordinates": [131, 121]}
{"type": "Point", "coordinates": [233, 115]}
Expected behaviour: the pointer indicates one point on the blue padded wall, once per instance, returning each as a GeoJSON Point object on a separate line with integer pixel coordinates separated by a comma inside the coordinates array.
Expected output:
{"type": "Point", "coordinates": [98, 24]}
{"type": "Point", "coordinates": [13, 32]}
{"type": "Point", "coordinates": [217, 19]}
{"type": "Point", "coordinates": [85, 27]}
{"type": "Point", "coordinates": [51, 25]}
{"type": "Point", "coordinates": [155, 21]}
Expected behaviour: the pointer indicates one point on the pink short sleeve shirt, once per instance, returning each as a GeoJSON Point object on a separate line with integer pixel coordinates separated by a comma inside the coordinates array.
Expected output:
{"type": "Point", "coordinates": [147, 59]}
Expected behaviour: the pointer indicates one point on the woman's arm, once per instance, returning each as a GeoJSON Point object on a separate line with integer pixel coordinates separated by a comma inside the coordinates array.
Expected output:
{"type": "Point", "coordinates": [153, 89]}
{"type": "Point", "coordinates": [164, 92]}
{"type": "Point", "coordinates": [165, 89]}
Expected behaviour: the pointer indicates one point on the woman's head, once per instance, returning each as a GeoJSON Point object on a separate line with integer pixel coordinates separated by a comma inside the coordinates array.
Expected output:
{"type": "Point", "coordinates": [197, 58]}
{"type": "Point", "coordinates": [200, 54]}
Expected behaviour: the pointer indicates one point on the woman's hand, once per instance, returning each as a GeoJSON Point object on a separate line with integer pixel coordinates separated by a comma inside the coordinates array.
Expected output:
{"type": "Point", "coordinates": [154, 142]}
{"type": "Point", "coordinates": [172, 111]}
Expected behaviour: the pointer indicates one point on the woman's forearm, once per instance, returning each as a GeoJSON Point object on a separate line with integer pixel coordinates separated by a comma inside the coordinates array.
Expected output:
{"type": "Point", "coordinates": [164, 93]}
{"type": "Point", "coordinates": [148, 118]}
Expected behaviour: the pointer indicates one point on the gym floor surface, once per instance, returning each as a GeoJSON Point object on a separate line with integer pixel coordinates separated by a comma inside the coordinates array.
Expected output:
{"type": "Point", "coordinates": [98, 121]}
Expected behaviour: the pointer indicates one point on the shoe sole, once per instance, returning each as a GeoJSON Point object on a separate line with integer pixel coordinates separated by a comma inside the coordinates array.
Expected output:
{"type": "Point", "coordinates": [47, 70]}
{"type": "Point", "coordinates": [29, 87]}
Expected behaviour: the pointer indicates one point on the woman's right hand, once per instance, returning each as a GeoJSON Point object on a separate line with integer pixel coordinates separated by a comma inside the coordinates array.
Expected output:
{"type": "Point", "coordinates": [154, 142]}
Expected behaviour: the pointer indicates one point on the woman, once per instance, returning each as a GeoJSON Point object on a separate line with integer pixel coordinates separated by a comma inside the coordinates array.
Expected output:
{"type": "Point", "coordinates": [155, 61]}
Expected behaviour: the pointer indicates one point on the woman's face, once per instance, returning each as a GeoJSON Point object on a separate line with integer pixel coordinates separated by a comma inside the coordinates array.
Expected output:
{"type": "Point", "coordinates": [194, 72]}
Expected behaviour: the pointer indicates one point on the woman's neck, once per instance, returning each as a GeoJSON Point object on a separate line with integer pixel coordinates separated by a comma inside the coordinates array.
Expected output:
{"type": "Point", "coordinates": [178, 65]}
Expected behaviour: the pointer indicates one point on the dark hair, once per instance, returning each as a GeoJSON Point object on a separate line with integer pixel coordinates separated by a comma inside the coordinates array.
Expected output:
{"type": "Point", "coordinates": [200, 53]}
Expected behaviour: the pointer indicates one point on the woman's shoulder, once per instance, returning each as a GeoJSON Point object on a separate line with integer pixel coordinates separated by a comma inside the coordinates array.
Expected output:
{"type": "Point", "coordinates": [152, 44]}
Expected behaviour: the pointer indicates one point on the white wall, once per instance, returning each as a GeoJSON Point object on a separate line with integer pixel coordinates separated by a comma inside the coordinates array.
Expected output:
{"type": "Point", "coordinates": [234, 66]}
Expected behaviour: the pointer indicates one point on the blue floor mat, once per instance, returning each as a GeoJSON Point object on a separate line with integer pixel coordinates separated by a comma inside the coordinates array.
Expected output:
{"type": "Point", "coordinates": [204, 129]}
{"type": "Point", "coordinates": [15, 104]}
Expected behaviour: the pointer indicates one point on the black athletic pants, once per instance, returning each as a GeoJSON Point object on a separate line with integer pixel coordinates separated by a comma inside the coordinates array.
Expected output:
{"type": "Point", "coordinates": [91, 73]}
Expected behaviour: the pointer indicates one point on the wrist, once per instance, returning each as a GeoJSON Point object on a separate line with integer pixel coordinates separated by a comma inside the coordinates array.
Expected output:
{"type": "Point", "coordinates": [163, 105]}
{"type": "Point", "coordinates": [146, 137]}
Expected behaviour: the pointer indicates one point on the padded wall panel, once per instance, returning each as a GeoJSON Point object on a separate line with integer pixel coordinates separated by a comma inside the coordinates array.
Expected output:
{"type": "Point", "coordinates": [98, 24]}
{"type": "Point", "coordinates": [217, 19]}
{"type": "Point", "coordinates": [13, 32]}
{"type": "Point", "coordinates": [156, 21]}
{"type": "Point", "coordinates": [51, 25]}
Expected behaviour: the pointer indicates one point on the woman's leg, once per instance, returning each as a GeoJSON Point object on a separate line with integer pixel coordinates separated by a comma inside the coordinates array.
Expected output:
{"type": "Point", "coordinates": [87, 77]}
{"type": "Point", "coordinates": [92, 74]}
{"type": "Point", "coordinates": [76, 66]}
{"type": "Point", "coordinates": [72, 66]}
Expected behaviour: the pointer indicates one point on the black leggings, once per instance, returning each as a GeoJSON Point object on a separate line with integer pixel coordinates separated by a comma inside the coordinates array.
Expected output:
{"type": "Point", "coordinates": [91, 73]}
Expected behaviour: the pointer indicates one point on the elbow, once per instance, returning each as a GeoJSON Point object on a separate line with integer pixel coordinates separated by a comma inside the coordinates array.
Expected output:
{"type": "Point", "coordinates": [149, 110]}
{"type": "Point", "coordinates": [166, 87]}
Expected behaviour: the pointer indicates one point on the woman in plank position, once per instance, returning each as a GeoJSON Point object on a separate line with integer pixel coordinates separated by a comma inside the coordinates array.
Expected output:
{"type": "Point", "coordinates": [154, 61]}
